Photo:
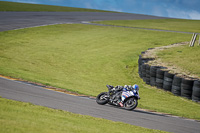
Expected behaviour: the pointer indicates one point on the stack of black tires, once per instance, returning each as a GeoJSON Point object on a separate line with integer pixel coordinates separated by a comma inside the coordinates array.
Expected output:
{"type": "Point", "coordinates": [159, 77]}
{"type": "Point", "coordinates": [176, 85]}
{"type": "Point", "coordinates": [196, 91]}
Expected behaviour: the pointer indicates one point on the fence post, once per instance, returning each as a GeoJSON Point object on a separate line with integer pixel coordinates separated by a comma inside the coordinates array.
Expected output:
{"type": "Point", "coordinates": [193, 40]}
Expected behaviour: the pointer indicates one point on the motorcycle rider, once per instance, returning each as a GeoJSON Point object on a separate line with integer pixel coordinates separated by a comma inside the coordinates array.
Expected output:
{"type": "Point", "coordinates": [136, 90]}
{"type": "Point", "coordinates": [126, 88]}
{"type": "Point", "coordinates": [116, 92]}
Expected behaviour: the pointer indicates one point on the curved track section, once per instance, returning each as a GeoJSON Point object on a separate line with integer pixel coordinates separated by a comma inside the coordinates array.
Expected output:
{"type": "Point", "coordinates": [21, 91]}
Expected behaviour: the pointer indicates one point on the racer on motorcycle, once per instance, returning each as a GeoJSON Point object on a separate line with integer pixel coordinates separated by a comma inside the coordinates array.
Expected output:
{"type": "Point", "coordinates": [126, 89]}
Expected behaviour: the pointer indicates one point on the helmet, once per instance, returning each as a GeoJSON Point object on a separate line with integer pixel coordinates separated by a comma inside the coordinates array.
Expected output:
{"type": "Point", "coordinates": [136, 87]}
{"type": "Point", "coordinates": [125, 86]}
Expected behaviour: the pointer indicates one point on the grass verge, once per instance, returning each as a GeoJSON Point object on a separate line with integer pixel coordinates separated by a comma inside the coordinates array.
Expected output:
{"type": "Point", "coordinates": [14, 6]}
{"type": "Point", "coordinates": [187, 59]}
{"type": "Point", "coordinates": [19, 117]}
{"type": "Point", "coordinates": [164, 24]}
{"type": "Point", "coordinates": [84, 58]}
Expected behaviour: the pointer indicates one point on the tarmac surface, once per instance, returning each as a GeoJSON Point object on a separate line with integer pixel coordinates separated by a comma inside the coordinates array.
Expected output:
{"type": "Point", "coordinates": [22, 91]}
{"type": "Point", "coordinates": [17, 20]}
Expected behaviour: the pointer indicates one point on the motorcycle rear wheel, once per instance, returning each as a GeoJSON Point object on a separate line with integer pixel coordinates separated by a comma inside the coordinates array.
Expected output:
{"type": "Point", "coordinates": [102, 98]}
{"type": "Point", "coordinates": [131, 103]}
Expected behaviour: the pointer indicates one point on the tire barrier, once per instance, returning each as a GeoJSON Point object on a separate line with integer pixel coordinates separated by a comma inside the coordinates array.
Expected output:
{"type": "Point", "coordinates": [153, 70]}
{"type": "Point", "coordinates": [196, 91]}
{"type": "Point", "coordinates": [147, 74]}
{"type": "Point", "coordinates": [176, 85]}
{"type": "Point", "coordinates": [186, 88]}
{"type": "Point", "coordinates": [159, 77]}
{"type": "Point", "coordinates": [168, 78]}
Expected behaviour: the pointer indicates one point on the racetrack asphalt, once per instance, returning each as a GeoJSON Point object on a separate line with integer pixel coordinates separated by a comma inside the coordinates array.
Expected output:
{"type": "Point", "coordinates": [21, 91]}
{"type": "Point", "coordinates": [17, 20]}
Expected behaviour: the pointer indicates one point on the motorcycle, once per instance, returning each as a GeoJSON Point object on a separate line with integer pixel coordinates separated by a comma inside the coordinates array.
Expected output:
{"type": "Point", "coordinates": [114, 97]}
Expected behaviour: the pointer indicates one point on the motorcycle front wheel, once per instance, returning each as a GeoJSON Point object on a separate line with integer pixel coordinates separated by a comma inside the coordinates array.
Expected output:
{"type": "Point", "coordinates": [131, 103]}
{"type": "Point", "coordinates": [102, 98]}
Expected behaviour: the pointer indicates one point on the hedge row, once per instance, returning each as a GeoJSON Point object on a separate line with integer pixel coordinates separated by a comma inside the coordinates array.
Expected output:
{"type": "Point", "coordinates": [158, 76]}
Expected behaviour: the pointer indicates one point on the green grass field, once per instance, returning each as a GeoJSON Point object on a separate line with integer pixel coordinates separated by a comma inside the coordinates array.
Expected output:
{"type": "Point", "coordinates": [19, 117]}
{"type": "Point", "coordinates": [84, 58]}
{"type": "Point", "coordinates": [14, 6]}
{"type": "Point", "coordinates": [164, 24]}
{"type": "Point", "coordinates": [187, 59]}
